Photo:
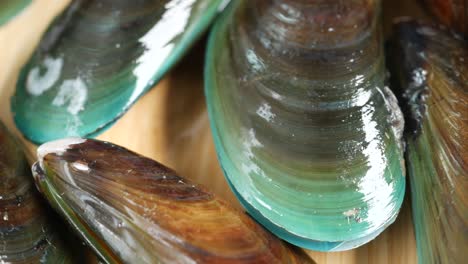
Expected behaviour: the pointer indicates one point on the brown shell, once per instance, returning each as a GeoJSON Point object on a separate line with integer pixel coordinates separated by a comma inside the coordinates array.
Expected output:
{"type": "Point", "coordinates": [143, 210]}
{"type": "Point", "coordinates": [453, 13]}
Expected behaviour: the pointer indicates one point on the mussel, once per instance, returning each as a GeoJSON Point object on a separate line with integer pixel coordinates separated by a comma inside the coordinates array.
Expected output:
{"type": "Point", "coordinates": [128, 208]}
{"type": "Point", "coordinates": [452, 13]}
{"type": "Point", "coordinates": [98, 58]}
{"type": "Point", "coordinates": [27, 234]}
{"type": "Point", "coordinates": [10, 8]}
{"type": "Point", "coordinates": [307, 133]}
{"type": "Point", "coordinates": [430, 70]}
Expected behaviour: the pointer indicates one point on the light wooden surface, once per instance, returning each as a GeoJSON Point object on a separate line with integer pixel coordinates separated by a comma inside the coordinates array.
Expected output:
{"type": "Point", "coordinates": [170, 124]}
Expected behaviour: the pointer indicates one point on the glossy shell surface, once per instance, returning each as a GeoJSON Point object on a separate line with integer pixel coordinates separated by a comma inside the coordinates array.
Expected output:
{"type": "Point", "coordinates": [129, 207]}
{"type": "Point", "coordinates": [98, 58]}
{"type": "Point", "coordinates": [27, 232]}
{"type": "Point", "coordinates": [431, 71]}
{"type": "Point", "coordinates": [452, 13]}
{"type": "Point", "coordinates": [307, 133]}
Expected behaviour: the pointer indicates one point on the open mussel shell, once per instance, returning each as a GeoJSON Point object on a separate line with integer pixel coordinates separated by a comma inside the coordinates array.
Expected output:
{"type": "Point", "coordinates": [128, 207]}
{"type": "Point", "coordinates": [307, 133]}
{"type": "Point", "coordinates": [430, 69]}
{"type": "Point", "coordinates": [27, 234]}
{"type": "Point", "coordinates": [98, 58]}
{"type": "Point", "coordinates": [452, 13]}
{"type": "Point", "coordinates": [10, 8]}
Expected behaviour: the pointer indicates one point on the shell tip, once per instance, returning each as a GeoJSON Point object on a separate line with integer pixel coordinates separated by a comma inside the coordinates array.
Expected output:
{"type": "Point", "coordinates": [57, 146]}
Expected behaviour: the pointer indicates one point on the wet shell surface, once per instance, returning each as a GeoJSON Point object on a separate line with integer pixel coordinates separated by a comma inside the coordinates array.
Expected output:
{"type": "Point", "coordinates": [431, 71]}
{"type": "Point", "coordinates": [307, 133]}
{"type": "Point", "coordinates": [129, 207]}
{"type": "Point", "coordinates": [11, 8]}
{"type": "Point", "coordinates": [27, 233]}
{"type": "Point", "coordinates": [452, 13]}
{"type": "Point", "coordinates": [98, 58]}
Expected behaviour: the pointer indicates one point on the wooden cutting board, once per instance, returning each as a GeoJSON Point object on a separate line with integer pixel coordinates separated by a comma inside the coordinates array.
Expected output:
{"type": "Point", "coordinates": [170, 124]}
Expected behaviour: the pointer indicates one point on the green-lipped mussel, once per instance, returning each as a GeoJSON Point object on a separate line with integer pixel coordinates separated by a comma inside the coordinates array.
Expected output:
{"type": "Point", "coordinates": [128, 207]}
{"type": "Point", "coordinates": [10, 8]}
{"type": "Point", "coordinates": [27, 234]}
{"type": "Point", "coordinates": [453, 13]}
{"type": "Point", "coordinates": [430, 69]}
{"type": "Point", "coordinates": [307, 133]}
{"type": "Point", "coordinates": [98, 58]}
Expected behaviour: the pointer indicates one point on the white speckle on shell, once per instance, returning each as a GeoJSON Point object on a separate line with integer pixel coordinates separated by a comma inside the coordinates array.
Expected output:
{"type": "Point", "coordinates": [36, 84]}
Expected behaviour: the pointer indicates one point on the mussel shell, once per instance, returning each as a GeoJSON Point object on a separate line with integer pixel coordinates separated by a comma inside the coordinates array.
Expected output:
{"type": "Point", "coordinates": [98, 58]}
{"type": "Point", "coordinates": [308, 135]}
{"type": "Point", "coordinates": [10, 8]}
{"type": "Point", "coordinates": [430, 70]}
{"type": "Point", "coordinates": [453, 13]}
{"type": "Point", "coordinates": [129, 207]}
{"type": "Point", "coordinates": [26, 231]}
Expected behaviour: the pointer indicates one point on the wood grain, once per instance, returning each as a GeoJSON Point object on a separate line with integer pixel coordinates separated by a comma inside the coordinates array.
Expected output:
{"type": "Point", "coordinates": [170, 124]}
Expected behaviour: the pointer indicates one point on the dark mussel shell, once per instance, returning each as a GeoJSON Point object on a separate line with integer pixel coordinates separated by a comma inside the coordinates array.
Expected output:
{"type": "Point", "coordinates": [430, 70]}
{"type": "Point", "coordinates": [128, 207]}
{"type": "Point", "coordinates": [28, 233]}
{"type": "Point", "coordinates": [453, 13]}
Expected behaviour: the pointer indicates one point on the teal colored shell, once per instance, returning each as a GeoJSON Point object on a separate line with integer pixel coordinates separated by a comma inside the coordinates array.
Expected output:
{"type": "Point", "coordinates": [307, 133]}
{"type": "Point", "coordinates": [10, 8]}
{"type": "Point", "coordinates": [28, 234]}
{"type": "Point", "coordinates": [430, 67]}
{"type": "Point", "coordinates": [98, 58]}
